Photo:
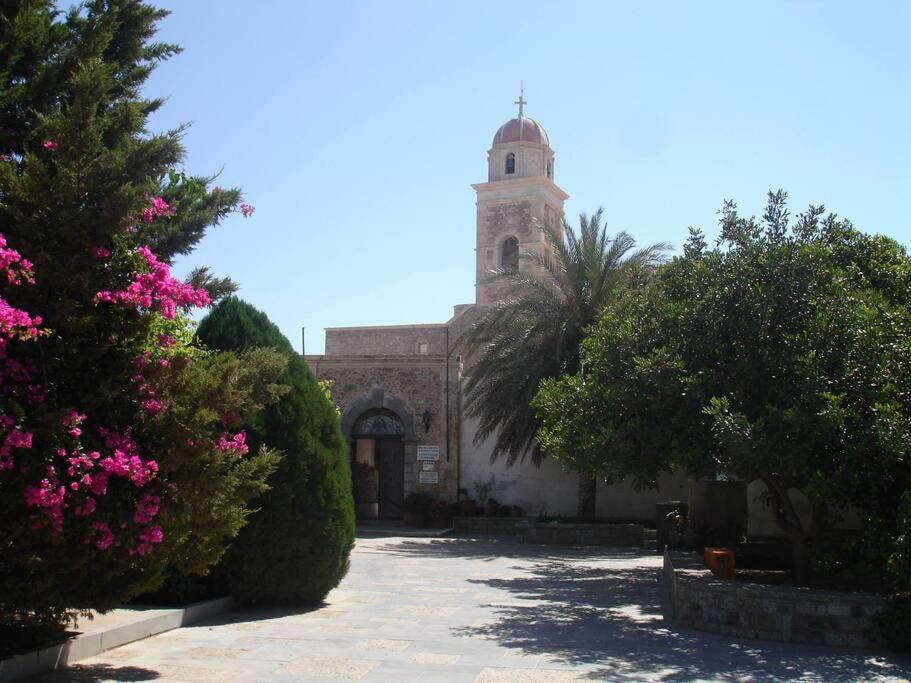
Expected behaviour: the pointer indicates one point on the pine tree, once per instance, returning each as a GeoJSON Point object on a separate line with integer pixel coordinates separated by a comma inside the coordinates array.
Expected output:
{"type": "Point", "coordinates": [121, 453]}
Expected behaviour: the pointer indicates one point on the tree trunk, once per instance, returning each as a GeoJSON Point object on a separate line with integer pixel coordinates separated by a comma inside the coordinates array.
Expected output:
{"type": "Point", "coordinates": [791, 524]}
{"type": "Point", "coordinates": [588, 487]}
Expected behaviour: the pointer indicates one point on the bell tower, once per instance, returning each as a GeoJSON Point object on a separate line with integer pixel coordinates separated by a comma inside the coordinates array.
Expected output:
{"type": "Point", "coordinates": [520, 193]}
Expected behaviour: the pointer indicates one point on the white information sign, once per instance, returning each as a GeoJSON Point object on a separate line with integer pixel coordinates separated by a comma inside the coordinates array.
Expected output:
{"type": "Point", "coordinates": [429, 466]}
{"type": "Point", "coordinates": [428, 477]}
{"type": "Point", "coordinates": [428, 452]}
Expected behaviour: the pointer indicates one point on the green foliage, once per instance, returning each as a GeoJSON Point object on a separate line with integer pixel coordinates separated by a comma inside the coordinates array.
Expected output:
{"type": "Point", "coordinates": [893, 624]}
{"type": "Point", "coordinates": [535, 332]}
{"type": "Point", "coordinates": [295, 548]}
{"type": "Point", "coordinates": [783, 354]}
{"type": "Point", "coordinates": [77, 167]}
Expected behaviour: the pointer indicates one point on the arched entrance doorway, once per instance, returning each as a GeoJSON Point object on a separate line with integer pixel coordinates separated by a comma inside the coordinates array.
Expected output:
{"type": "Point", "coordinates": [378, 465]}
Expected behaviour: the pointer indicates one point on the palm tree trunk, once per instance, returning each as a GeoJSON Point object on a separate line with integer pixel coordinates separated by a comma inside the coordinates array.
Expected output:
{"type": "Point", "coordinates": [588, 487]}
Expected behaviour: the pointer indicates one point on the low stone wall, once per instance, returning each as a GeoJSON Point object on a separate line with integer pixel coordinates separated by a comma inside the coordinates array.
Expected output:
{"type": "Point", "coordinates": [555, 533]}
{"type": "Point", "coordinates": [748, 610]}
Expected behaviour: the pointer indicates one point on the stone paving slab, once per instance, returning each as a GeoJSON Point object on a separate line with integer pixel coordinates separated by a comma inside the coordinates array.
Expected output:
{"type": "Point", "coordinates": [461, 609]}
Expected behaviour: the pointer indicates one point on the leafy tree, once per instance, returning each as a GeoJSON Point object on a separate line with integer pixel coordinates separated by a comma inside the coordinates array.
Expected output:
{"type": "Point", "coordinates": [119, 452]}
{"type": "Point", "coordinates": [535, 332]}
{"type": "Point", "coordinates": [295, 548]}
{"type": "Point", "coordinates": [781, 355]}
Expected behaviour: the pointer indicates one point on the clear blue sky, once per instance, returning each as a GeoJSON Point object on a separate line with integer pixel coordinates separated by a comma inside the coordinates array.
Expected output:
{"type": "Point", "coordinates": [356, 129]}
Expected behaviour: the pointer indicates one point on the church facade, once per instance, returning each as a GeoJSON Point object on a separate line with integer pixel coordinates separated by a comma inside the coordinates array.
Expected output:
{"type": "Point", "coordinates": [400, 388]}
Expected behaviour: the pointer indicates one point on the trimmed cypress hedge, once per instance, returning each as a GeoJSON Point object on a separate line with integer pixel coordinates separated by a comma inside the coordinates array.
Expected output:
{"type": "Point", "coordinates": [295, 548]}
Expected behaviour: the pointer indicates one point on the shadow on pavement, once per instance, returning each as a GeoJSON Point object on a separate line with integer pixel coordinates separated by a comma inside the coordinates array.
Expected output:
{"type": "Point", "coordinates": [92, 673]}
{"type": "Point", "coordinates": [611, 619]}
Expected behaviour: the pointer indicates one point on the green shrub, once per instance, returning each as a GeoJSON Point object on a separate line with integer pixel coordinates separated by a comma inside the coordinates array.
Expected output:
{"type": "Point", "coordinates": [295, 549]}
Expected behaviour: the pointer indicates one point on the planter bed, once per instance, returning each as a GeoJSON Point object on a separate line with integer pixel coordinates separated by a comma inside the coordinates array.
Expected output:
{"type": "Point", "coordinates": [555, 533]}
{"type": "Point", "coordinates": [768, 612]}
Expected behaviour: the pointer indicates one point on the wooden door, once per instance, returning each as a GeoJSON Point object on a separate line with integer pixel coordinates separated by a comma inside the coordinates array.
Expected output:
{"type": "Point", "coordinates": [390, 460]}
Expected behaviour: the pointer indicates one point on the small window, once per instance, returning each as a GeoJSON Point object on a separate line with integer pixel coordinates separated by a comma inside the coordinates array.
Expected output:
{"type": "Point", "coordinates": [510, 163]}
{"type": "Point", "coordinates": [549, 170]}
{"type": "Point", "coordinates": [423, 347]}
{"type": "Point", "coordinates": [509, 254]}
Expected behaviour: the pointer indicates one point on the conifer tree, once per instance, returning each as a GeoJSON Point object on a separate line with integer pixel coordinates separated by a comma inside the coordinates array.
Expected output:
{"type": "Point", "coordinates": [295, 548]}
{"type": "Point", "coordinates": [121, 452]}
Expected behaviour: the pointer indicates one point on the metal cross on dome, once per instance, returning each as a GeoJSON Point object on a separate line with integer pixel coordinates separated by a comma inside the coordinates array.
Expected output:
{"type": "Point", "coordinates": [521, 102]}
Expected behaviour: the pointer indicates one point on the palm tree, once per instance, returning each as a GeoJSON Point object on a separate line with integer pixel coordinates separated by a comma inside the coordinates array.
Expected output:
{"type": "Point", "coordinates": [536, 331]}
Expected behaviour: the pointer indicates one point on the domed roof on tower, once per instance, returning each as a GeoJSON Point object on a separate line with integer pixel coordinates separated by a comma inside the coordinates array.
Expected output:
{"type": "Point", "coordinates": [521, 129]}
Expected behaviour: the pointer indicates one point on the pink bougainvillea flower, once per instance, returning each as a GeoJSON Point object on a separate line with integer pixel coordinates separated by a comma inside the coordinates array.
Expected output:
{"type": "Point", "coordinates": [247, 210]}
{"type": "Point", "coordinates": [149, 538]}
{"type": "Point", "coordinates": [15, 438]}
{"type": "Point", "coordinates": [51, 145]}
{"type": "Point", "coordinates": [146, 509]}
{"type": "Point", "coordinates": [86, 508]}
{"type": "Point", "coordinates": [100, 252]}
{"type": "Point", "coordinates": [102, 535]}
{"type": "Point", "coordinates": [156, 289]}
{"type": "Point", "coordinates": [152, 406]}
{"type": "Point", "coordinates": [236, 444]}
{"type": "Point", "coordinates": [157, 207]}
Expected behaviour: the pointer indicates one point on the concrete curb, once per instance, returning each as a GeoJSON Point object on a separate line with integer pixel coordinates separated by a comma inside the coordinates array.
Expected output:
{"type": "Point", "coordinates": [400, 532]}
{"type": "Point", "coordinates": [90, 644]}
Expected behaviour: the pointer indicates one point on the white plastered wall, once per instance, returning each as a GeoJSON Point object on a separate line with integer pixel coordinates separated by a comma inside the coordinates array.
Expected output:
{"type": "Point", "coordinates": [550, 490]}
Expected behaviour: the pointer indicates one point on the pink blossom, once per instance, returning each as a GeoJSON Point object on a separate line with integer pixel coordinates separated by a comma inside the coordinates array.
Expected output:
{"type": "Point", "coordinates": [87, 507]}
{"type": "Point", "coordinates": [157, 207]}
{"type": "Point", "coordinates": [15, 438]}
{"type": "Point", "coordinates": [237, 444]}
{"type": "Point", "coordinates": [152, 406]}
{"type": "Point", "coordinates": [18, 269]}
{"type": "Point", "coordinates": [149, 538]}
{"type": "Point", "coordinates": [104, 537]}
{"type": "Point", "coordinates": [100, 252]}
{"type": "Point", "coordinates": [49, 495]}
{"type": "Point", "coordinates": [73, 421]}
{"type": "Point", "coordinates": [156, 288]}
{"type": "Point", "coordinates": [247, 210]}
{"type": "Point", "coordinates": [16, 323]}
{"type": "Point", "coordinates": [146, 509]}
{"type": "Point", "coordinates": [51, 145]}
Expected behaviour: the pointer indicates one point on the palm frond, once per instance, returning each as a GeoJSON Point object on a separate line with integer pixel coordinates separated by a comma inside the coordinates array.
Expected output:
{"type": "Point", "coordinates": [536, 331]}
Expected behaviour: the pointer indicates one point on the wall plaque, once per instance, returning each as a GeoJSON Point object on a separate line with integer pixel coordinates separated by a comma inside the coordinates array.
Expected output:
{"type": "Point", "coordinates": [428, 477]}
{"type": "Point", "coordinates": [428, 452]}
{"type": "Point", "coordinates": [429, 466]}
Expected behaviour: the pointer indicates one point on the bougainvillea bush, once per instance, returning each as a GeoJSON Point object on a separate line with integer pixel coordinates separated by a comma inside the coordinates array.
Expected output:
{"type": "Point", "coordinates": [120, 447]}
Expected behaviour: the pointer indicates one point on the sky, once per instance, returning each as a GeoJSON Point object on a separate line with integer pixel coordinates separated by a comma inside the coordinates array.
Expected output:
{"type": "Point", "coordinates": [357, 128]}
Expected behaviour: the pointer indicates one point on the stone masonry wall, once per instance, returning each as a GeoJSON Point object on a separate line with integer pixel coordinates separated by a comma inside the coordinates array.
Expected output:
{"type": "Point", "coordinates": [420, 383]}
{"type": "Point", "coordinates": [784, 613]}
{"type": "Point", "coordinates": [401, 340]}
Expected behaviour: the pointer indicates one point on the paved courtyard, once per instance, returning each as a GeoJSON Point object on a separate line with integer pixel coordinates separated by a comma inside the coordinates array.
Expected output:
{"type": "Point", "coordinates": [455, 609]}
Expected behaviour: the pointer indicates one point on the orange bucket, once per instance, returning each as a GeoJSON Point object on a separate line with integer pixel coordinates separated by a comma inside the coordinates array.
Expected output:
{"type": "Point", "coordinates": [720, 561]}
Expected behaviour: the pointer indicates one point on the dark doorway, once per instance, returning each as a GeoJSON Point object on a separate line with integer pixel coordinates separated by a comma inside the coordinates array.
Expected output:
{"type": "Point", "coordinates": [378, 465]}
{"type": "Point", "coordinates": [390, 461]}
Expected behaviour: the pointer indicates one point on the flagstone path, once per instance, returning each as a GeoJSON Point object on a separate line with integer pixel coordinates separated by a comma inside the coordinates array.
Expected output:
{"type": "Point", "coordinates": [481, 610]}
